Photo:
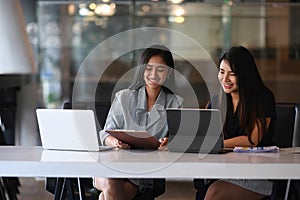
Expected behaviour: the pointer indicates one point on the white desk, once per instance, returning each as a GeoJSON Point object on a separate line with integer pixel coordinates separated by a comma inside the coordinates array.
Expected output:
{"type": "Point", "coordinates": [35, 162]}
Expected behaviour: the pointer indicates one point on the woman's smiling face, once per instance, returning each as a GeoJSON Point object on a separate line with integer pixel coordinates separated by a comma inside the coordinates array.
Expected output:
{"type": "Point", "coordinates": [156, 72]}
{"type": "Point", "coordinates": [227, 78]}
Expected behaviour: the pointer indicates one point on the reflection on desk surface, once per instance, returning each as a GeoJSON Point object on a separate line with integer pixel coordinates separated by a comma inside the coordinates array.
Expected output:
{"type": "Point", "coordinates": [36, 162]}
{"type": "Point", "coordinates": [157, 156]}
{"type": "Point", "coordinates": [294, 150]}
{"type": "Point", "coordinates": [37, 154]}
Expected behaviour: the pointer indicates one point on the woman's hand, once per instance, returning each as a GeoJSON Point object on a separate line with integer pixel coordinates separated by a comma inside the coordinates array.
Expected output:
{"type": "Point", "coordinates": [163, 143]}
{"type": "Point", "coordinates": [114, 142]}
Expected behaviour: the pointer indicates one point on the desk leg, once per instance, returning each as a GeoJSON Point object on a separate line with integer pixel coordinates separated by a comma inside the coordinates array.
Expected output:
{"type": "Point", "coordinates": [59, 188]}
{"type": "Point", "coordinates": [81, 189]}
{"type": "Point", "coordinates": [2, 190]}
{"type": "Point", "coordinates": [11, 187]}
{"type": "Point", "coordinates": [70, 189]}
{"type": "Point", "coordinates": [287, 189]}
{"type": "Point", "coordinates": [65, 188]}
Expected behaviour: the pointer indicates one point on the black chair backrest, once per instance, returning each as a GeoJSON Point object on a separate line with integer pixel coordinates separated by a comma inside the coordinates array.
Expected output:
{"type": "Point", "coordinates": [286, 125]}
{"type": "Point", "coordinates": [101, 110]}
{"type": "Point", "coordinates": [296, 140]}
{"type": "Point", "coordinates": [286, 134]}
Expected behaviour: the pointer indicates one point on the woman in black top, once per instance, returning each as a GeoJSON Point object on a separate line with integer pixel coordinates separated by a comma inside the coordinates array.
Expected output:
{"type": "Point", "coordinates": [248, 107]}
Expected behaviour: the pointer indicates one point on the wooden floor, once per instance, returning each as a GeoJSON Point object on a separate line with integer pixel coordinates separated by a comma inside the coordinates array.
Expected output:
{"type": "Point", "coordinates": [34, 189]}
{"type": "Point", "coordinates": [179, 190]}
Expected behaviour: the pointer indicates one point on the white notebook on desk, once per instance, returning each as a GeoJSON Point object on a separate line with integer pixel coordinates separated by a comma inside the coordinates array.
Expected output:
{"type": "Point", "coordinates": [63, 129]}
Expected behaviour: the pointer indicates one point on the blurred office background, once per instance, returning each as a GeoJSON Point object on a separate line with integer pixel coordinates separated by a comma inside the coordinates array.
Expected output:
{"type": "Point", "coordinates": [63, 35]}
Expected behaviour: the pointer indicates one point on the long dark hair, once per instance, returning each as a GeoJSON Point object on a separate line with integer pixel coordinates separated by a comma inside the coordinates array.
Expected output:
{"type": "Point", "coordinates": [250, 88]}
{"type": "Point", "coordinates": [166, 55]}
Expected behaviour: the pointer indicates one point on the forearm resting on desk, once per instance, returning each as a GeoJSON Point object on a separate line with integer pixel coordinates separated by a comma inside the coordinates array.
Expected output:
{"type": "Point", "coordinates": [241, 141]}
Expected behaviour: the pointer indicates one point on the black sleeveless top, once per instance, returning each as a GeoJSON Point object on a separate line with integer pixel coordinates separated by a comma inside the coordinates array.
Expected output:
{"type": "Point", "coordinates": [233, 128]}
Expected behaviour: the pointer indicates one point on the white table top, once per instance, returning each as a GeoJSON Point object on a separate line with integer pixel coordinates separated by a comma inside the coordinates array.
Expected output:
{"type": "Point", "coordinates": [25, 161]}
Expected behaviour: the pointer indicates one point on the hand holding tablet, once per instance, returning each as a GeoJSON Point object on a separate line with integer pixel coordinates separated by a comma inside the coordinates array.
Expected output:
{"type": "Point", "coordinates": [136, 139]}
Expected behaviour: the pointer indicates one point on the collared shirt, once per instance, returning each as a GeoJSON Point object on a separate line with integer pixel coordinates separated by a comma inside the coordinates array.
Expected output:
{"type": "Point", "coordinates": [129, 111]}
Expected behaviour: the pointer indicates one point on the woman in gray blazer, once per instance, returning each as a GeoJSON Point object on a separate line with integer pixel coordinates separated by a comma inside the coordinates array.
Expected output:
{"type": "Point", "coordinates": [141, 107]}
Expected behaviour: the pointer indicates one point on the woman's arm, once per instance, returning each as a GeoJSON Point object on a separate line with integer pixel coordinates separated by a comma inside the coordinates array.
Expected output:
{"type": "Point", "coordinates": [243, 141]}
{"type": "Point", "coordinates": [115, 120]}
{"type": "Point", "coordinates": [114, 142]}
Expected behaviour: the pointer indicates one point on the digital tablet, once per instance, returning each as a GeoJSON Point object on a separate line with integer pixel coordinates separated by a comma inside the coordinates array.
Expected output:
{"type": "Point", "coordinates": [136, 139]}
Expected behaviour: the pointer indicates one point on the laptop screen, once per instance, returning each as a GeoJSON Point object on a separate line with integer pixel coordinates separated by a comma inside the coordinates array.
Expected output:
{"type": "Point", "coordinates": [195, 130]}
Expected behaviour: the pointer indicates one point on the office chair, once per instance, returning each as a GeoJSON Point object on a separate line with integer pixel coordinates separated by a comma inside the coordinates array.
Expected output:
{"type": "Point", "coordinates": [82, 188]}
{"type": "Point", "coordinates": [283, 135]}
{"type": "Point", "coordinates": [286, 134]}
{"type": "Point", "coordinates": [79, 188]}
{"type": "Point", "coordinates": [9, 186]}
{"type": "Point", "coordinates": [285, 125]}
{"type": "Point", "coordinates": [293, 187]}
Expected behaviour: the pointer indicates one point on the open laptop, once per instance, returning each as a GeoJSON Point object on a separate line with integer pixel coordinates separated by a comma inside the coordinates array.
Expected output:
{"type": "Point", "coordinates": [195, 130]}
{"type": "Point", "coordinates": [63, 129]}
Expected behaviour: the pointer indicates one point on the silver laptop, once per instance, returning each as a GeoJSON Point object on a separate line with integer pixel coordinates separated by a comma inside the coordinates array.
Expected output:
{"type": "Point", "coordinates": [63, 129]}
{"type": "Point", "coordinates": [195, 130]}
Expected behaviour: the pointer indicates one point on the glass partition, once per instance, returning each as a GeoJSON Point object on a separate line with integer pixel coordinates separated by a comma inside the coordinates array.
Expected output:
{"type": "Point", "coordinates": [71, 32]}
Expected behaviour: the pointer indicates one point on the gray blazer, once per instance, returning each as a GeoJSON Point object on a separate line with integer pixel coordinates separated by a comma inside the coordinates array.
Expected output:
{"type": "Point", "coordinates": [129, 111]}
